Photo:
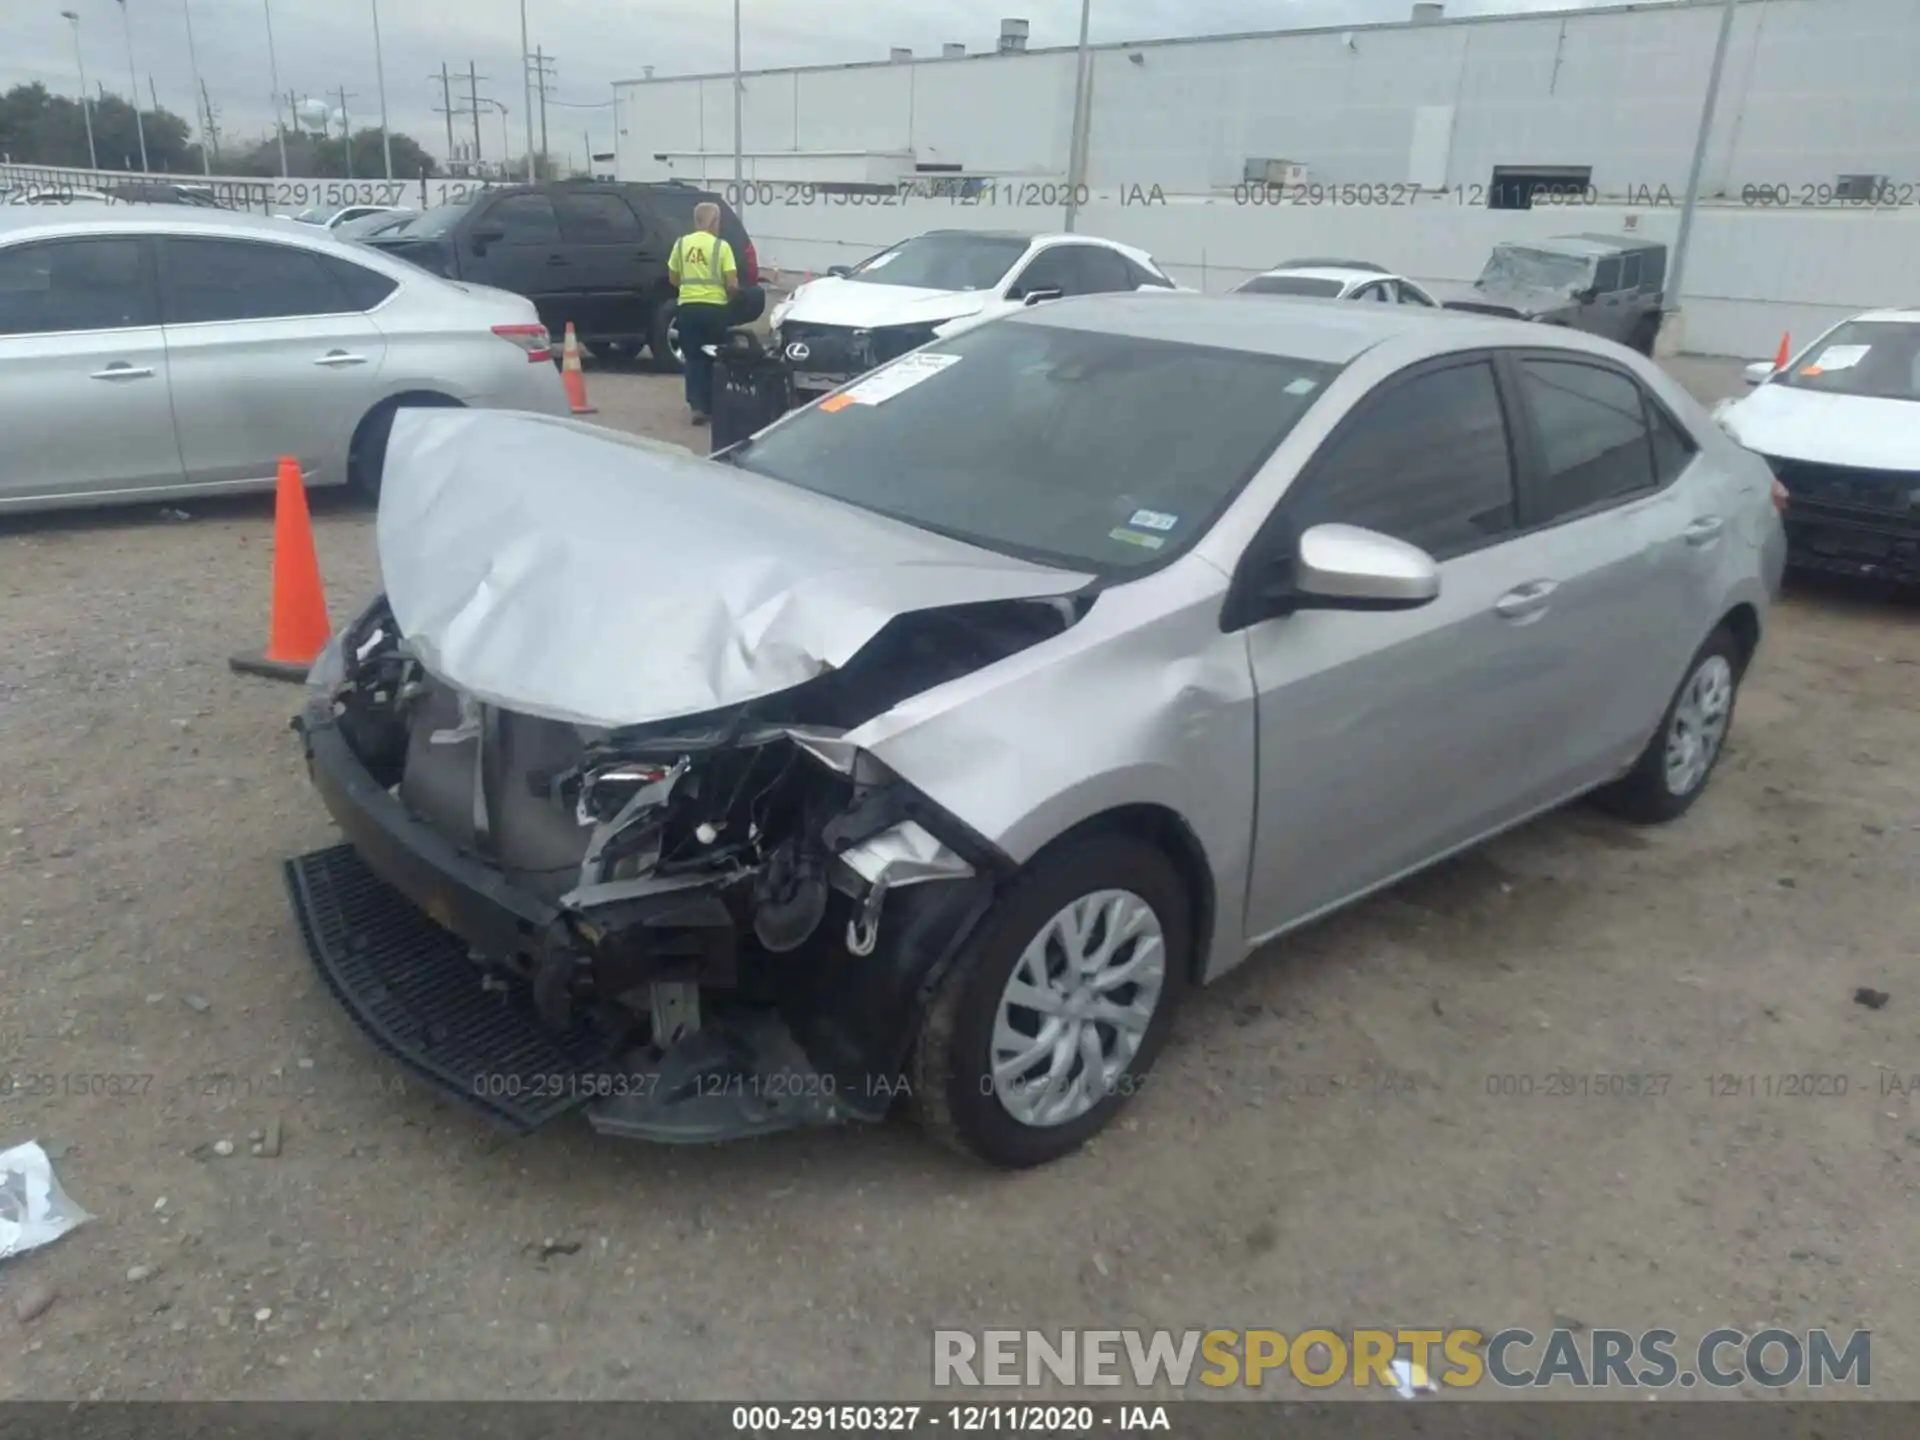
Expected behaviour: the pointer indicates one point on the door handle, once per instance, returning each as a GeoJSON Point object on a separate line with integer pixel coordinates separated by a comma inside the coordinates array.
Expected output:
{"type": "Point", "coordinates": [1526, 601]}
{"type": "Point", "coordinates": [1705, 530]}
{"type": "Point", "coordinates": [120, 370]}
{"type": "Point", "coordinates": [558, 260]}
{"type": "Point", "coordinates": [336, 358]}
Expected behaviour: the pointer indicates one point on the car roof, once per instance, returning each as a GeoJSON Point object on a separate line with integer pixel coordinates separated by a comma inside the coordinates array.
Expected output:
{"type": "Point", "coordinates": [81, 216]}
{"type": "Point", "coordinates": [1326, 331]}
{"type": "Point", "coordinates": [1903, 315]}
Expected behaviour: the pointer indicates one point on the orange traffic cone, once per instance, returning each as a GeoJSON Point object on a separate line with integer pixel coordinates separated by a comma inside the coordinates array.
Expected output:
{"type": "Point", "coordinates": [571, 376]}
{"type": "Point", "coordinates": [298, 627]}
{"type": "Point", "coordinates": [1786, 352]}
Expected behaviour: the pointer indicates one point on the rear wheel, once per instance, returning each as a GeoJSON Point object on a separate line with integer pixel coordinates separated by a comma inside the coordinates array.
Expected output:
{"type": "Point", "coordinates": [1672, 771]}
{"type": "Point", "coordinates": [1051, 1018]}
{"type": "Point", "coordinates": [663, 339]}
{"type": "Point", "coordinates": [367, 454]}
{"type": "Point", "coordinates": [1645, 333]}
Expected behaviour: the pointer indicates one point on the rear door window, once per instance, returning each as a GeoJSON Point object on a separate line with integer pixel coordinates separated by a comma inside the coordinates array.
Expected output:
{"type": "Point", "coordinates": [595, 218]}
{"type": "Point", "coordinates": [526, 219]}
{"type": "Point", "coordinates": [213, 280]}
{"type": "Point", "coordinates": [1427, 462]}
{"type": "Point", "coordinates": [1630, 272]}
{"type": "Point", "coordinates": [65, 286]}
{"type": "Point", "coordinates": [363, 288]}
{"type": "Point", "coordinates": [1591, 423]}
{"type": "Point", "coordinates": [1102, 272]}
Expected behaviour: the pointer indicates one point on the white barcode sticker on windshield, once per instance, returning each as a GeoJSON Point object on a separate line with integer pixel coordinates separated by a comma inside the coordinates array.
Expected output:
{"type": "Point", "coordinates": [1301, 386]}
{"type": "Point", "coordinates": [897, 378]}
{"type": "Point", "coordinates": [1840, 357]}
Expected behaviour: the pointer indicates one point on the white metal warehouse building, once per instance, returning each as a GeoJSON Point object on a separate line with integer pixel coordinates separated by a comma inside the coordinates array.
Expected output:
{"type": "Point", "coordinates": [1813, 91]}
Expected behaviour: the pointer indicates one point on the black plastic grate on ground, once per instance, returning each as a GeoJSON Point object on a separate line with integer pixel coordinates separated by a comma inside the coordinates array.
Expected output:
{"type": "Point", "coordinates": [410, 986]}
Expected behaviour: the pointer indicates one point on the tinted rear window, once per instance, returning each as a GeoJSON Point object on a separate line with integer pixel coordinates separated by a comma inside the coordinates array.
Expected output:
{"type": "Point", "coordinates": [1292, 285]}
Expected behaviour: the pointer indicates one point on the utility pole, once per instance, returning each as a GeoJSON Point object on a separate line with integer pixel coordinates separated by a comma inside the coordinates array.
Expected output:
{"type": "Point", "coordinates": [526, 88]}
{"type": "Point", "coordinates": [1676, 273]}
{"type": "Point", "coordinates": [380, 79]}
{"type": "Point", "coordinates": [86, 101]}
{"type": "Point", "coordinates": [213, 120]}
{"type": "Point", "coordinates": [543, 71]}
{"type": "Point", "coordinates": [346, 131]}
{"type": "Point", "coordinates": [446, 105]}
{"type": "Point", "coordinates": [273, 74]}
{"type": "Point", "coordinates": [473, 105]}
{"type": "Point", "coordinates": [133, 89]}
{"type": "Point", "coordinates": [1077, 148]}
{"type": "Point", "coordinates": [193, 62]}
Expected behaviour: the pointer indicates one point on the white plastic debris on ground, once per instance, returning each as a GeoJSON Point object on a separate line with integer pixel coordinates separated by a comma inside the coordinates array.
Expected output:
{"type": "Point", "coordinates": [1411, 1379]}
{"type": "Point", "coordinates": [34, 1210]}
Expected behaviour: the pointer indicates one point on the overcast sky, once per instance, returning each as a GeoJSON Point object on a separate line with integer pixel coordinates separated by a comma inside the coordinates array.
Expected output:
{"type": "Point", "coordinates": [322, 45]}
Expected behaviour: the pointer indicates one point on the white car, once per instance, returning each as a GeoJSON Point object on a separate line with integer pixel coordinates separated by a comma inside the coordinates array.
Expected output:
{"type": "Point", "coordinates": [333, 219]}
{"type": "Point", "coordinates": [153, 352]}
{"type": "Point", "coordinates": [1338, 280]}
{"type": "Point", "coordinates": [938, 285]}
{"type": "Point", "coordinates": [1840, 425]}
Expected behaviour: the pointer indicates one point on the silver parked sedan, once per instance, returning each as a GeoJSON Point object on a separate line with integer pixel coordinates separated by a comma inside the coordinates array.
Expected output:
{"type": "Point", "coordinates": [933, 742]}
{"type": "Point", "coordinates": [157, 352]}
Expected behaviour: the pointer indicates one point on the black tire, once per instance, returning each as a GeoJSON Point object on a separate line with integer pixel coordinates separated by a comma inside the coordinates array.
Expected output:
{"type": "Point", "coordinates": [1644, 335]}
{"type": "Point", "coordinates": [1646, 795]}
{"type": "Point", "coordinates": [949, 1071]}
{"type": "Point", "coordinates": [367, 453]}
{"type": "Point", "coordinates": [660, 336]}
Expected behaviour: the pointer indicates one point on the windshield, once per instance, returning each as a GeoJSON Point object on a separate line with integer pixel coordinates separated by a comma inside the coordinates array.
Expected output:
{"type": "Point", "coordinates": [1090, 451]}
{"type": "Point", "coordinates": [944, 262]}
{"type": "Point", "coordinates": [429, 223]}
{"type": "Point", "coordinates": [314, 217]}
{"type": "Point", "coordinates": [1875, 358]}
{"type": "Point", "coordinates": [1292, 285]}
{"type": "Point", "coordinates": [1543, 269]}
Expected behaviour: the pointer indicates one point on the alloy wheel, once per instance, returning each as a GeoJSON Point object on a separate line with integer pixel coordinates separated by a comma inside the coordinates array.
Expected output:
{"type": "Point", "coordinates": [1699, 725]}
{"type": "Point", "coordinates": [1076, 1008]}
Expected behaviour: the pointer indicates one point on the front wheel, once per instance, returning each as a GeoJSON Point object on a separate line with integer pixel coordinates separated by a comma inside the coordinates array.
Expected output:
{"type": "Point", "coordinates": [1672, 771]}
{"type": "Point", "coordinates": [1050, 1019]}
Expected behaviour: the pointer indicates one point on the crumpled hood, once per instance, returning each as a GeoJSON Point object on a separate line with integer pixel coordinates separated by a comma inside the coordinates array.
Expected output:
{"type": "Point", "coordinates": [1851, 430]}
{"type": "Point", "coordinates": [561, 570]}
{"type": "Point", "coordinates": [863, 306]}
{"type": "Point", "coordinates": [1525, 300]}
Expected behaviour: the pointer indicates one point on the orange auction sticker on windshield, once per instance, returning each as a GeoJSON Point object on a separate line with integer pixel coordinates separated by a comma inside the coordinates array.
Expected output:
{"type": "Point", "coordinates": [836, 402]}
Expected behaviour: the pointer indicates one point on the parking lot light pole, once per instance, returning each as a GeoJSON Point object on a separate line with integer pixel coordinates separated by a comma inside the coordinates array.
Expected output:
{"type": "Point", "coordinates": [1677, 273]}
{"type": "Point", "coordinates": [86, 106]}
{"type": "Point", "coordinates": [380, 80]}
{"type": "Point", "coordinates": [1077, 147]}
{"type": "Point", "coordinates": [739, 87]}
{"type": "Point", "coordinates": [273, 74]}
{"type": "Point", "coordinates": [133, 92]}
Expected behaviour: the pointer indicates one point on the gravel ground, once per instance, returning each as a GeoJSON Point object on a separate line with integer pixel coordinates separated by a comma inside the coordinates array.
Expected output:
{"type": "Point", "coordinates": [1319, 1146]}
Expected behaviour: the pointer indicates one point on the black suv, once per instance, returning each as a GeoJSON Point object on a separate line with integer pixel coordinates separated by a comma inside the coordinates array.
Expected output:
{"type": "Point", "coordinates": [591, 252]}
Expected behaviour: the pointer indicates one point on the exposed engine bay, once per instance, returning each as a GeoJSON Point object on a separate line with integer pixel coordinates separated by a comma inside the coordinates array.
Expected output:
{"type": "Point", "coordinates": [749, 857]}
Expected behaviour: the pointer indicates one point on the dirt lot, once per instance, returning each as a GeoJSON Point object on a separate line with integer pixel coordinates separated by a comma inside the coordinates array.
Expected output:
{"type": "Point", "coordinates": [1320, 1146]}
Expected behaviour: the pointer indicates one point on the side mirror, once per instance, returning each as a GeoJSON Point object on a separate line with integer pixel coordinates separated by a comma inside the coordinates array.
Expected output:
{"type": "Point", "coordinates": [484, 237]}
{"type": "Point", "coordinates": [1334, 567]}
{"type": "Point", "coordinates": [1343, 567]}
{"type": "Point", "coordinates": [1587, 294]}
{"type": "Point", "coordinates": [1040, 297]}
{"type": "Point", "coordinates": [1759, 372]}
{"type": "Point", "coordinates": [839, 272]}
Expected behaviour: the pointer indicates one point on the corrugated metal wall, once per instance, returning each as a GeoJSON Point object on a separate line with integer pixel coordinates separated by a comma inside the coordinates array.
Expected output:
{"type": "Point", "coordinates": [1814, 89]}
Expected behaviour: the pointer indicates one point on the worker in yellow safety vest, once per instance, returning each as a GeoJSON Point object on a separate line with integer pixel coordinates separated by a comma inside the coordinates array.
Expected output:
{"type": "Point", "coordinates": [702, 268]}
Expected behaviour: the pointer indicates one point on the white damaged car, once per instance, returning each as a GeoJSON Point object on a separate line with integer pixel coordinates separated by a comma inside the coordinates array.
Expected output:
{"type": "Point", "coordinates": [935, 286]}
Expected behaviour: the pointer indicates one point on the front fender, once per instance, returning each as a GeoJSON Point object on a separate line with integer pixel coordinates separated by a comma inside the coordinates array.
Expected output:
{"type": "Point", "coordinates": [1144, 702]}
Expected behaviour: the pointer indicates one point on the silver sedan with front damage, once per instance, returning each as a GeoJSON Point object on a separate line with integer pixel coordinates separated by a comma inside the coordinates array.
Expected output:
{"type": "Point", "coordinates": [934, 742]}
